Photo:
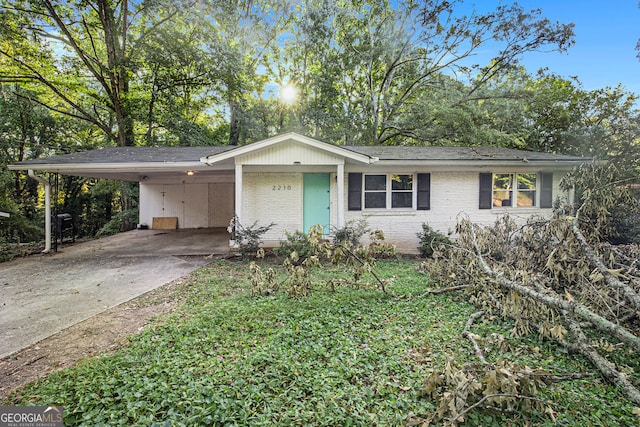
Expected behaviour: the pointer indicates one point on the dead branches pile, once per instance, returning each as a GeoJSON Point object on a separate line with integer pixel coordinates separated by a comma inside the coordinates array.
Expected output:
{"type": "Point", "coordinates": [559, 278]}
{"type": "Point", "coordinates": [552, 280]}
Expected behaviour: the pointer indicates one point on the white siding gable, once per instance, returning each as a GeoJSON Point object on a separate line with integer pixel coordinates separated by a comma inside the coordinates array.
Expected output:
{"type": "Point", "coordinates": [289, 153]}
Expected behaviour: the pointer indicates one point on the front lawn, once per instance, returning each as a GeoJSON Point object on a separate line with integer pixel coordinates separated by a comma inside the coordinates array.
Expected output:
{"type": "Point", "coordinates": [350, 357]}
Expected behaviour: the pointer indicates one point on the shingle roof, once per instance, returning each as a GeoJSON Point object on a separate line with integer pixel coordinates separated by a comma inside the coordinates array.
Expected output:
{"type": "Point", "coordinates": [132, 155]}
{"type": "Point", "coordinates": [123, 155]}
{"type": "Point", "coordinates": [479, 153]}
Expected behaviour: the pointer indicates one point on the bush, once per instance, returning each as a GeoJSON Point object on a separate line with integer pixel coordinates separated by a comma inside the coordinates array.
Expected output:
{"type": "Point", "coordinates": [297, 242]}
{"type": "Point", "coordinates": [249, 238]}
{"type": "Point", "coordinates": [379, 248]}
{"type": "Point", "coordinates": [430, 239]}
{"type": "Point", "coordinates": [18, 228]}
{"type": "Point", "coordinates": [351, 233]}
{"type": "Point", "coordinates": [626, 225]}
{"type": "Point", "coordinates": [119, 223]}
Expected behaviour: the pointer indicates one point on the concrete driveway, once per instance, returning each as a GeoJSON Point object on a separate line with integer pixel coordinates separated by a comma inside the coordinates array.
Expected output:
{"type": "Point", "coordinates": [43, 294]}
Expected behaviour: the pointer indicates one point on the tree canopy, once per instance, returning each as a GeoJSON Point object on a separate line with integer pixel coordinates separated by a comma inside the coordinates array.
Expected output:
{"type": "Point", "coordinates": [199, 72]}
{"type": "Point", "coordinates": [161, 71]}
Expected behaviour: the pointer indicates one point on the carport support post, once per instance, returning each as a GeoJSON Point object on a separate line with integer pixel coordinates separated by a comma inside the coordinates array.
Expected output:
{"type": "Point", "coordinates": [340, 179]}
{"type": "Point", "coordinates": [238, 189]}
{"type": "Point", "coordinates": [47, 210]}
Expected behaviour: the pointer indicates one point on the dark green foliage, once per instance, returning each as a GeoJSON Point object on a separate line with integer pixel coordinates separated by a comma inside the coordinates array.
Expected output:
{"type": "Point", "coordinates": [297, 242]}
{"type": "Point", "coordinates": [18, 228]}
{"type": "Point", "coordinates": [351, 233]}
{"type": "Point", "coordinates": [430, 239]}
{"type": "Point", "coordinates": [249, 238]}
{"type": "Point", "coordinates": [625, 222]}
{"type": "Point", "coordinates": [118, 223]}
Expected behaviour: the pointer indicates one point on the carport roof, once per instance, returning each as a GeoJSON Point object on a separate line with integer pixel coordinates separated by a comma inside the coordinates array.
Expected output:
{"type": "Point", "coordinates": [125, 163]}
{"type": "Point", "coordinates": [130, 155]}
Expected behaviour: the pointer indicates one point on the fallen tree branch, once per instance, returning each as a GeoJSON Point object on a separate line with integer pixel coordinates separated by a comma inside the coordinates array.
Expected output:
{"type": "Point", "coordinates": [580, 310]}
{"type": "Point", "coordinates": [362, 263]}
{"type": "Point", "coordinates": [606, 368]}
{"type": "Point", "coordinates": [629, 293]}
{"type": "Point", "coordinates": [458, 417]}
{"type": "Point", "coordinates": [445, 290]}
{"type": "Point", "coordinates": [471, 337]}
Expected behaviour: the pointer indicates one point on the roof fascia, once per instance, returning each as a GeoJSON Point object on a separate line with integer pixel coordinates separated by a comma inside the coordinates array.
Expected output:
{"type": "Point", "coordinates": [116, 167]}
{"type": "Point", "coordinates": [482, 163]}
{"type": "Point", "coordinates": [290, 136]}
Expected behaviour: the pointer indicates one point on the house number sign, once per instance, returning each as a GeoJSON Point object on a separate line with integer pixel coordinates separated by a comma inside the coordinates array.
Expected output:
{"type": "Point", "coordinates": [282, 187]}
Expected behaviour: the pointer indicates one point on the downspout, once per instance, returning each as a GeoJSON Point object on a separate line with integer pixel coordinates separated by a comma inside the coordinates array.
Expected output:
{"type": "Point", "coordinates": [47, 210]}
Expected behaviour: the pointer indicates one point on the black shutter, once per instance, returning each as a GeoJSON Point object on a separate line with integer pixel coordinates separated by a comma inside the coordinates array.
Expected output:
{"type": "Point", "coordinates": [355, 192]}
{"type": "Point", "coordinates": [424, 191]}
{"type": "Point", "coordinates": [486, 187]}
{"type": "Point", "coordinates": [546, 190]}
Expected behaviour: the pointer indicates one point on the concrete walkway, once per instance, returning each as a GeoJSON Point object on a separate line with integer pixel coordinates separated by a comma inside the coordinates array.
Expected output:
{"type": "Point", "coordinates": [43, 294]}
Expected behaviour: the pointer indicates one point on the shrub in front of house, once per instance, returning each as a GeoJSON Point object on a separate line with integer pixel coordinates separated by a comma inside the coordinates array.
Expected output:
{"type": "Point", "coordinates": [378, 248]}
{"type": "Point", "coordinates": [625, 224]}
{"type": "Point", "coordinates": [249, 238]}
{"type": "Point", "coordinates": [351, 233]}
{"type": "Point", "coordinates": [430, 239]}
{"type": "Point", "coordinates": [297, 242]}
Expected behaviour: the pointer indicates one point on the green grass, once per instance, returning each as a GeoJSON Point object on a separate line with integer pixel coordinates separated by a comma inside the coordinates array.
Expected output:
{"type": "Point", "coordinates": [345, 358]}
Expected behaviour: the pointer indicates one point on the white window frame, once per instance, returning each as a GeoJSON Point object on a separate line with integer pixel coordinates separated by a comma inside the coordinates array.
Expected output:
{"type": "Point", "coordinates": [389, 191]}
{"type": "Point", "coordinates": [515, 190]}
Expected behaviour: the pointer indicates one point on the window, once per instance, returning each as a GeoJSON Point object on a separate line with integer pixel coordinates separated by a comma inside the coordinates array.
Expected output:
{"type": "Point", "coordinates": [395, 191]}
{"type": "Point", "coordinates": [383, 190]}
{"type": "Point", "coordinates": [375, 191]}
{"type": "Point", "coordinates": [401, 191]}
{"type": "Point", "coordinates": [514, 189]}
{"type": "Point", "coordinates": [501, 189]}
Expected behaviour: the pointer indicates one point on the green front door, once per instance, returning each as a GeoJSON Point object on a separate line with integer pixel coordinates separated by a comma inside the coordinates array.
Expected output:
{"type": "Point", "coordinates": [316, 201]}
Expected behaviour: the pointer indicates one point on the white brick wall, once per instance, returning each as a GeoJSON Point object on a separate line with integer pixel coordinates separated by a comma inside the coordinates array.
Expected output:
{"type": "Point", "coordinates": [273, 197]}
{"type": "Point", "coordinates": [452, 194]}
{"type": "Point", "coordinates": [277, 197]}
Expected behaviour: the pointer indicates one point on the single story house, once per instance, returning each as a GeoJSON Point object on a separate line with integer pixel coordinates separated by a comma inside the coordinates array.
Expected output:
{"type": "Point", "coordinates": [296, 181]}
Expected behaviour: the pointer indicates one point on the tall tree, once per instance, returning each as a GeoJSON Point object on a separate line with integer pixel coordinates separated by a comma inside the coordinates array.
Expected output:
{"type": "Point", "coordinates": [80, 54]}
{"type": "Point", "coordinates": [386, 55]}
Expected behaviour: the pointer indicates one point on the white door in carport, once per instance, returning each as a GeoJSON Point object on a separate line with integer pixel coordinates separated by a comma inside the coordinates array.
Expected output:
{"type": "Point", "coordinates": [173, 202]}
{"type": "Point", "coordinates": [196, 208]}
{"type": "Point", "coordinates": [187, 202]}
{"type": "Point", "coordinates": [221, 203]}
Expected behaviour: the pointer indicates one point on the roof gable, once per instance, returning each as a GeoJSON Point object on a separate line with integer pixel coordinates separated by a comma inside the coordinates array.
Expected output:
{"type": "Point", "coordinates": [288, 148]}
{"type": "Point", "coordinates": [290, 152]}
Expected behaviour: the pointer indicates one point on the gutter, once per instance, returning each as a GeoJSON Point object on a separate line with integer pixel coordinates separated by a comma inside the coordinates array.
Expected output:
{"type": "Point", "coordinates": [47, 210]}
{"type": "Point", "coordinates": [111, 167]}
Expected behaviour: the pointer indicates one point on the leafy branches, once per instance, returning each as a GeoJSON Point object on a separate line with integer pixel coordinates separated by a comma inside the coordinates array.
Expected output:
{"type": "Point", "coordinates": [556, 278]}
{"type": "Point", "coordinates": [305, 253]}
{"type": "Point", "coordinates": [248, 238]}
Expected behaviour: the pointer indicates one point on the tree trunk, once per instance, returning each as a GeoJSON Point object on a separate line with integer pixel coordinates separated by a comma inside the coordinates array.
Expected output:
{"type": "Point", "coordinates": [234, 123]}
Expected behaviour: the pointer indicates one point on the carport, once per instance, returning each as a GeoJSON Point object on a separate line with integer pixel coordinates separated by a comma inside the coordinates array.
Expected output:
{"type": "Point", "coordinates": [44, 294]}
{"type": "Point", "coordinates": [173, 181]}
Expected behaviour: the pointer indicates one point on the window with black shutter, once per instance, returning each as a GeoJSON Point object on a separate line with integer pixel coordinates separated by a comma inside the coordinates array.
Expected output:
{"type": "Point", "coordinates": [486, 190]}
{"type": "Point", "coordinates": [515, 190]}
{"type": "Point", "coordinates": [546, 190]}
{"type": "Point", "coordinates": [355, 192]}
{"type": "Point", "coordinates": [424, 191]}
